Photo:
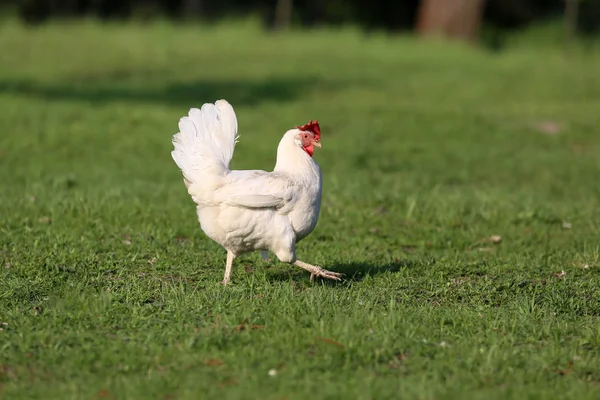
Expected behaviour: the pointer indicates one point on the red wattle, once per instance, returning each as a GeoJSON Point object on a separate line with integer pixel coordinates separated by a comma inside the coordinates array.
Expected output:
{"type": "Point", "coordinates": [310, 149]}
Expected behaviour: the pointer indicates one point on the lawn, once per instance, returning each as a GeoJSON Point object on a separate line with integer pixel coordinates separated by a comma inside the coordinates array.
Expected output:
{"type": "Point", "coordinates": [461, 194]}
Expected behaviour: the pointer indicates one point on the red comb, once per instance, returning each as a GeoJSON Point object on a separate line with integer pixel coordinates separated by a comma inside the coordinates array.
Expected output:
{"type": "Point", "coordinates": [312, 127]}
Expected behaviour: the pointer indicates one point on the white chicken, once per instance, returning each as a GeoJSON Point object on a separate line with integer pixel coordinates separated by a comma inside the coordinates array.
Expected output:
{"type": "Point", "coordinates": [250, 210]}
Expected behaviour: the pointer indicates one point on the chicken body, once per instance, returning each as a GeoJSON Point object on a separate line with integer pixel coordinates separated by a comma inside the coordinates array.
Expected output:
{"type": "Point", "coordinates": [249, 210]}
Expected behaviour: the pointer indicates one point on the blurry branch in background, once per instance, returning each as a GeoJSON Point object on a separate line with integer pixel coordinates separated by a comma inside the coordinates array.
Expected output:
{"type": "Point", "coordinates": [457, 19]}
{"type": "Point", "coordinates": [193, 7]}
{"type": "Point", "coordinates": [570, 21]}
{"type": "Point", "coordinates": [283, 15]}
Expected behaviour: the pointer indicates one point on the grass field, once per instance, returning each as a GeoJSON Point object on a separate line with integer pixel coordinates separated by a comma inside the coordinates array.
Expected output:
{"type": "Point", "coordinates": [461, 194]}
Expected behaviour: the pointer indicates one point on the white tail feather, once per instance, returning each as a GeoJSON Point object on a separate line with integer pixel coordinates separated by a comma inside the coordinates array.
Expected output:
{"type": "Point", "coordinates": [205, 141]}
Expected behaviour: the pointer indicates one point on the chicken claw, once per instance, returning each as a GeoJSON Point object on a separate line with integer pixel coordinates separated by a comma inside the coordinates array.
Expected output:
{"type": "Point", "coordinates": [323, 273]}
{"type": "Point", "coordinates": [317, 271]}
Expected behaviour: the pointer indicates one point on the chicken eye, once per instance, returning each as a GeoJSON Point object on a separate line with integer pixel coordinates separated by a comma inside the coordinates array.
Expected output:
{"type": "Point", "coordinates": [305, 136]}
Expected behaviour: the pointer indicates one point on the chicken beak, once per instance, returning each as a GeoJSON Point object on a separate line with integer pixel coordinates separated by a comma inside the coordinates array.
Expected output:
{"type": "Point", "coordinates": [317, 144]}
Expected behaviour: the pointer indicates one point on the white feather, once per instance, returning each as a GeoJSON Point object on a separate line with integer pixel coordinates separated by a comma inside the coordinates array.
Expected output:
{"type": "Point", "coordinates": [206, 141]}
{"type": "Point", "coordinates": [255, 201]}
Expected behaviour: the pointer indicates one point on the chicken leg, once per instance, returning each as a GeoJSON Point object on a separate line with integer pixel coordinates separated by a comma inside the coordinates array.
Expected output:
{"type": "Point", "coordinates": [318, 271]}
{"type": "Point", "coordinates": [228, 266]}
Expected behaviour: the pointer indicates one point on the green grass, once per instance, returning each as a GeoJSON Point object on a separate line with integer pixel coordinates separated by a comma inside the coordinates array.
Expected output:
{"type": "Point", "coordinates": [108, 287]}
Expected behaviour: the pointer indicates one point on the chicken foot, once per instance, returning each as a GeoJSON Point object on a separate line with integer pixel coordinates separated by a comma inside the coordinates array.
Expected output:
{"type": "Point", "coordinates": [314, 270]}
{"type": "Point", "coordinates": [318, 271]}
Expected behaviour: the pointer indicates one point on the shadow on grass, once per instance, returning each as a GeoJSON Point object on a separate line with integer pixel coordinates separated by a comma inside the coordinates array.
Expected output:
{"type": "Point", "coordinates": [186, 94]}
{"type": "Point", "coordinates": [353, 272]}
